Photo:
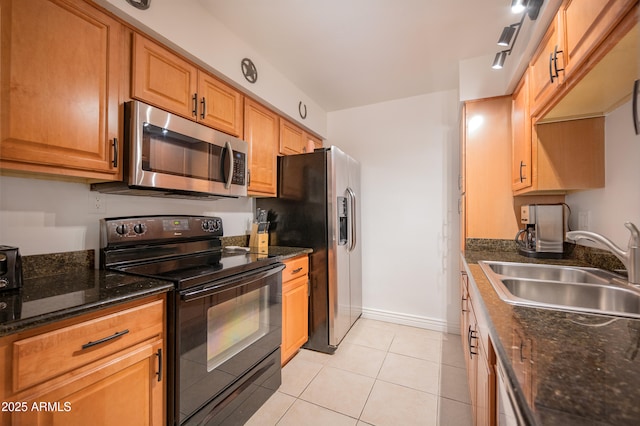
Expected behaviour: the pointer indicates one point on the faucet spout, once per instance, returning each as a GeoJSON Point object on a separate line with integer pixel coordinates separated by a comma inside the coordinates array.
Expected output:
{"type": "Point", "coordinates": [630, 258]}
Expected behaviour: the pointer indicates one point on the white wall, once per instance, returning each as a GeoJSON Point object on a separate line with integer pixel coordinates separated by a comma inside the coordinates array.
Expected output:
{"type": "Point", "coordinates": [619, 201]}
{"type": "Point", "coordinates": [188, 27]}
{"type": "Point", "coordinates": [408, 150]}
{"type": "Point", "coordinates": [42, 216]}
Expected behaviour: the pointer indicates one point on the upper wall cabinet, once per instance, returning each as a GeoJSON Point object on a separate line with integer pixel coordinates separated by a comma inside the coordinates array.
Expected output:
{"type": "Point", "coordinates": [60, 95]}
{"type": "Point", "coordinates": [545, 67]}
{"type": "Point", "coordinates": [166, 80]}
{"type": "Point", "coordinates": [591, 60]}
{"type": "Point", "coordinates": [294, 140]}
{"type": "Point", "coordinates": [261, 133]}
{"type": "Point", "coordinates": [521, 136]}
{"type": "Point", "coordinates": [564, 54]}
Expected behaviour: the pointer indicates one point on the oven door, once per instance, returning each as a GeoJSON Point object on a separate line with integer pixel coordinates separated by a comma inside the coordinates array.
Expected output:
{"type": "Point", "coordinates": [169, 152]}
{"type": "Point", "coordinates": [228, 336]}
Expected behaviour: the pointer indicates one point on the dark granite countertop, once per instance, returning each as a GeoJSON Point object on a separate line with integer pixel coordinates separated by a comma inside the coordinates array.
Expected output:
{"type": "Point", "coordinates": [285, 253]}
{"type": "Point", "coordinates": [582, 369]}
{"type": "Point", "coordinates": [64, 285]}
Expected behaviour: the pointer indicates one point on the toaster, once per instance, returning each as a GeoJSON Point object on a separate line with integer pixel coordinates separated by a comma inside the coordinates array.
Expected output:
{"type": "Point", "coordinates": [10, 268]}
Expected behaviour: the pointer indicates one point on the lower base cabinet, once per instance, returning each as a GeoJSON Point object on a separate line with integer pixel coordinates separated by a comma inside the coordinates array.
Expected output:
{"type": "Point", "coordinates": [116, 377]}
{"type": "Point", "coordinates": [295, 306]}
{"type": "Point", "coordinates": [479, 357]}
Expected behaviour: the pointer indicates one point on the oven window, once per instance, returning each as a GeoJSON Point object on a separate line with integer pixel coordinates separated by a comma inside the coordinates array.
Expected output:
{"type": "Point", "coordinates": [167, 152]}
{"type": "Point", "coordinates": [235, 324]}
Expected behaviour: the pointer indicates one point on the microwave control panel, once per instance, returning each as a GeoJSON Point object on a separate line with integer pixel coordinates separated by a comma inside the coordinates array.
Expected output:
{"type": "Point", "coordinates": [239, 168]}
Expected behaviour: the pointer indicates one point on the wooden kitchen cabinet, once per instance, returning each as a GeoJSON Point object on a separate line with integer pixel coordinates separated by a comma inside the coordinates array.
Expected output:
{"type": "Point", "coordinates": [294, 140]}
{"type": "Point", "coordinates": [566, 51]}
{"type": "Point", "coordinates": [104, 368]}
{"type": "Point", "coordinates": [261, 131]}
{"type": "Point", "coordinates": [546, 64]}
{"type": "Point", "coordinates": [61, 95]}
{"type": "Point", "coordinates": [566, 156]}
{"type": "Point", "coordinates": [487, 169]}
{"type": "Point", "coordinates": [168, 81]}
{"type": "Point", "coordinates": [479, 357]}
{"type": "Point", "coordinates": [587, 24]}
{"type": "Point", "coordinates": [295, 306]}
{"type": "Point", "coordinates": [521, 136]}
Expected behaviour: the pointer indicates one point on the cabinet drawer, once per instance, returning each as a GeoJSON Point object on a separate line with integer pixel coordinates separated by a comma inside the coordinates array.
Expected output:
{"type": "Point", "coordinates": [295, 268]}
{"type": "Point", "coordinates": [45, 356]}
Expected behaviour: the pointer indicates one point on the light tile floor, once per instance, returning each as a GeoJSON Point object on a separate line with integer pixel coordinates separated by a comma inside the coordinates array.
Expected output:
{"type": "Point", "coordinates": [381, 374]}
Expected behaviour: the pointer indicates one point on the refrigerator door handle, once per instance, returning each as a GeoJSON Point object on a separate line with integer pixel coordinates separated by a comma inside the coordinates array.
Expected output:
{"type": "Point", "coordinates": [352, 219]}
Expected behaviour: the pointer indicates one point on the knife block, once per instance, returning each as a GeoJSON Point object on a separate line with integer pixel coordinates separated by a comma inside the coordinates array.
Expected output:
{"type": "Point", "coordinates": [258, 242]}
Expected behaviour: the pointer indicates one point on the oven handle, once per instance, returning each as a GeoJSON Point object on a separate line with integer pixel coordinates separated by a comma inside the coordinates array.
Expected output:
{"type": "Point", "coordinates": [236, 281]}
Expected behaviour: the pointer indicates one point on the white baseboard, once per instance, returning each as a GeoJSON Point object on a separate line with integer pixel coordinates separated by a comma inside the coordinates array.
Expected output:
{"type": "Point", "coordinates": [411, 320]}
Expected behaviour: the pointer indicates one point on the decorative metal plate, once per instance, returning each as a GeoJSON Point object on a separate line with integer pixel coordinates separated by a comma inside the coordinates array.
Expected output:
{"type": "Point", "coordinates": [303, 115]}
{"type": "Point", "coordinates": [249, 70]}
{"type": "Point", "coordinates": [140, 4]}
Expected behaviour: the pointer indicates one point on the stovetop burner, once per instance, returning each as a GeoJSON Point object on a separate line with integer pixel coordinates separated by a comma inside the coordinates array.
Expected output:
{"type": "Point", "coordinates": [184, 249]}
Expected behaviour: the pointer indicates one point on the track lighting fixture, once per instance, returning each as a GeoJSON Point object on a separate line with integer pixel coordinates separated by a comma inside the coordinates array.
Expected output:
{"type": "Point", "coordinates": [507, 35]}
{"type": "Point", "coordinates": [518, 6]}
{"type": "Point", "coordinates": [530, 8]}
{"type": "Point", "coordinates": [498, 62]}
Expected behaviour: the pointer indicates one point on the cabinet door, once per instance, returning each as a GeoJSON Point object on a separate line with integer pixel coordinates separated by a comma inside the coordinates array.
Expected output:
{"type": "Point", "coordinates": [313, 143]}
{"type": "Point", "coordinates": [295, 314]}
{"type": "Point", "coordinates": [219, 106]}
{"type": "Point", "coordinates": [124, 391]}
{"type": "Point", "coordinates": [521, 142]}
{"type": "Point", "coordinates": [163, 79]}
{"type": "Point", "coordinates": [61, 70]}
{"type": "Point", "coordinates": [261, 133]}
{"type": "Point", "coordinates": [292, 138]}
{"type": "Point", "coordinates": [587, 23]}
{"type": "Point", "coordinates": [543, 66]}
{"type": "Point", "coordinates": [485, 391]}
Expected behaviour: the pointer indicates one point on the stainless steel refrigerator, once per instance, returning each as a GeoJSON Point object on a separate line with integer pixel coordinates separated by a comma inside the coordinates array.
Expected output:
{"type": "Point", "coordinates": [318, 206]}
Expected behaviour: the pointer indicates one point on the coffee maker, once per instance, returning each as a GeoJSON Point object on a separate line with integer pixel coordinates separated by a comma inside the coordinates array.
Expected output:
{"type": "Point", "coordinates": [544, 231]}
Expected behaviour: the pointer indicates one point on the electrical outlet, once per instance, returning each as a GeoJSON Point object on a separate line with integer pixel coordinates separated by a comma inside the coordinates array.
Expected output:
{"type": "Point", "coordinates": [97, 203]}
{"type": "Point", "coordinates": [583, 220]}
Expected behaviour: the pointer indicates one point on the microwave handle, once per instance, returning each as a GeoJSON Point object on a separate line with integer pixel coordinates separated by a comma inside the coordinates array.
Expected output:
{"type": "Point", "coordinates": [227, 183]}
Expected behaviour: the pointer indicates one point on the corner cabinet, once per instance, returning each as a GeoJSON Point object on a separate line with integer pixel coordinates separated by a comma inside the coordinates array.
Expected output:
{"type": "Point", "coordinates": [170, 82]}
{"type": "Point", "coordinates": [479, 356]}
{"type": "Point", "coordinates": [261, 131]}
{"type": "Point", "coordinates": [295, 306]}
{"type": "Point", "coordinates": [294, 140]}
{"type": "Point", "coordinates": [61, 95]}
{"type": "Point", "coordinates": [104, 368]}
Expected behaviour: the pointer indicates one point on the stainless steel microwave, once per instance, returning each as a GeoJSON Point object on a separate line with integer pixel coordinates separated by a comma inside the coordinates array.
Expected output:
{"type": "Point", "coordinates": [168, 155]}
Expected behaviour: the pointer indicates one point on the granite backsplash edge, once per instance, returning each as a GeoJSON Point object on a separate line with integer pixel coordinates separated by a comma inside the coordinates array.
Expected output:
{"type": "Point", "coordinates": [595, 257]}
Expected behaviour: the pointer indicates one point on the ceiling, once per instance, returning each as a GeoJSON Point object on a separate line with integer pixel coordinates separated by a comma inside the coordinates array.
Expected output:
{"type": "Point", "coordinates": [351, 53]}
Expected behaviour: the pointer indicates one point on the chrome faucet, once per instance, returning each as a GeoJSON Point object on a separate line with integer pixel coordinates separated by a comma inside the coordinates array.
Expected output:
{"type": "Point", "coordinates": [630, 258]}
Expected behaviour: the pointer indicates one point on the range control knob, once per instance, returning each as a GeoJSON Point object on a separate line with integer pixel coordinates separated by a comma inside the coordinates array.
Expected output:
{"type": "Point", "coordinates": [121, 229]}
{"type": "Point", "coordinates": [4, 282]}
{"type": "Point", "coordinates": [211, 225]}
{"type": "Point", "coordinates": [139, 228]}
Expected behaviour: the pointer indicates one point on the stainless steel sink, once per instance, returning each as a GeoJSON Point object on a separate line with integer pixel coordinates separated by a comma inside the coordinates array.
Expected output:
{"type": "Point", "coordinates": [563, 287]}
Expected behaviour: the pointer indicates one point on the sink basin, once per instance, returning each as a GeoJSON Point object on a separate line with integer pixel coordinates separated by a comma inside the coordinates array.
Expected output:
{"type": "Point", "coordinates": [571, 288]}
{"type": "Point", "coordinates": [551, 272]}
